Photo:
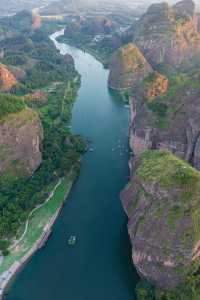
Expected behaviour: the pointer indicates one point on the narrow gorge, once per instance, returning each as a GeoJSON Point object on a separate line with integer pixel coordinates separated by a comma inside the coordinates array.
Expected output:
{"type": "Point", "coordinates": [97, 105]}
{"type": "Point", "coordinates": [158, 72]}
{"type": "Point", "coordinates": [100, 263]}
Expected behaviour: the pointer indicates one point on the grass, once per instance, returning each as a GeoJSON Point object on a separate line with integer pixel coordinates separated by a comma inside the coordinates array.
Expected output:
{"type": "Point", "coordinates": [20, 119]}
{"type": "Point", "coordinates": [168, 170]}
{"type": "Point", "coordinates": [37, 223]}
{"type": "Point", "coordinates": [174, 174]}
{"type": "Point", "coordinates": [170, 104]}
{"type": "Point", "coordinates": [176, 213]}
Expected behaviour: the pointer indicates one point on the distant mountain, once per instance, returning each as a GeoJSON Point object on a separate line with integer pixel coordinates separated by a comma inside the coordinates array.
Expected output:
{"type": "Point", "coordinates": [12, 6]}
{"type": "Point", "coordinates": [84, 6]}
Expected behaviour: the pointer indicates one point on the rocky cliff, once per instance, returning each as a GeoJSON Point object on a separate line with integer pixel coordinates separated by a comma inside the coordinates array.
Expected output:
{"type": "Point", "coordinates": [198, 22]}
{"type": "Point", "coordinates": [21, 137]}
{"type": "Point", "coordinates": [165, 114]}
{"type": "Point", "coordinates": [162, 203]}
{"type": "Point", "coordinates": [7, 79]}
{"type": "Point", "coordinates": [98, 25]}
{"type": "Point", "coordinates": [168, 35]}
{"type": "Point", "coordinates": [36, 21]}
{"type": "Point", "coordinates": [171, 122]}
{"type": "Point", "coordinates": [154, 85]}
{"type": "Point", "coordinates": [128, 67]}
{"type": "Point", "coordinates": [159, 199]}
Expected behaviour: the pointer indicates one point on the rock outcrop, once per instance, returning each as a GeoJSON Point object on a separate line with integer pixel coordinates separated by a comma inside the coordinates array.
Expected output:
{"type": "Point", "coordinates": [7, 79]}
{"type": "Point", "coordinates": [168, 35]}
{"type": "Point", "coordinates": [91, 26]}
{"type": "Point", "coordinates": [155, 85]}
{"type": "Point", "coordinates": [21, 137]}
{"type": "Point", "coordinates": [184, 9]}
{"type": "Point", "coordinates": [17, 72]}
{"type": "Point", "coordinates": [162, 197]}
{"type": "Point", "coordinates": [36, 21]}
{"type": "Point", "coordinates": [98, 25]}
{"type": "Point", "coordinates": [162, 203]}
{"type": "Point", "coordinates": [128, 67]}
{"type": "Point", "coordinates": [171, 124]}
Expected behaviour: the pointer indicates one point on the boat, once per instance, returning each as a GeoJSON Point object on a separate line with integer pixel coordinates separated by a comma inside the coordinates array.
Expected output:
{"type": "Point", "coordinates": [72, 240]}
{"type": "Point", "coordinates": [91, 150]}
{"type": "Point", "coordinates": [127, 106]}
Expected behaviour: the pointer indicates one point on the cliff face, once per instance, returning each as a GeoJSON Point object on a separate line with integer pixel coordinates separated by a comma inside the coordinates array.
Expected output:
{"type": "Point", "coordinates": [184, 8]}
{"type": "Point", "coordinates": [7, 79]}
{"type": "Point", "coordinates": [198, 22]}
{"type": "Point", "coordinates": [171, 124]}
{"type": "Point", "coordinates": [91, 26]}
{"type": "Point", "coordinates": [154, 86]}
{"type": "Point", "coordinates": [168, 35]}
{"type": "Point", "coordinates": [36, 21]}
{"type": "Point", "coordinates": [21, 136]}
{"type": "Point", "coordinates": [98, 25]}
{"type": "Point", "coordinates": [162, 203]}
{"type": "Point", "coordinates": [159, 199]}
{"type": "Point", "coordinates": [128, 67]}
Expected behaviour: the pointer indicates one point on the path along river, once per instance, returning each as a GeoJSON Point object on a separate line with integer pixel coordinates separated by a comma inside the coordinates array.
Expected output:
{"type": "Point", "coordinates": [99, 266]}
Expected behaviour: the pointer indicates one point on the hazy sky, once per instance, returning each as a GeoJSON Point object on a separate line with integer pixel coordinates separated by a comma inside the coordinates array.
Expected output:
{"type": "Point", "coordinates": [138, 2]}
{"type": "Point", "coordinates": [150, 1]}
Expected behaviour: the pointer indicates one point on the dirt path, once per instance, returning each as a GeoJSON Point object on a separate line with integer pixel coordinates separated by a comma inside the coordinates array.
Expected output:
{"type": "Point", "coordinates": [13, 246]}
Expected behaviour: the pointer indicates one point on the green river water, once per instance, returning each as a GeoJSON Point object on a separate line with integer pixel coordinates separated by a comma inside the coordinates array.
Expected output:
{"type": "Point", "coordinates": [99, 266]}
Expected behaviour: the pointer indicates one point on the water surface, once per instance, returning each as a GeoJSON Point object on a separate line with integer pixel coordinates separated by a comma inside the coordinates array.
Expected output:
{"type": "Point", "coordinates": [99, 266]}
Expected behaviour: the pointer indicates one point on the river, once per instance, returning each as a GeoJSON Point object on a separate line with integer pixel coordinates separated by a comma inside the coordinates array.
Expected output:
{"type": "Point", "coordinates": [99, 266]}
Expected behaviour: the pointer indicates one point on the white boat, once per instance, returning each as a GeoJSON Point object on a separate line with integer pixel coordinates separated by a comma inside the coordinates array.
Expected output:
{"type": "Point", "coordinates": [72, 240]}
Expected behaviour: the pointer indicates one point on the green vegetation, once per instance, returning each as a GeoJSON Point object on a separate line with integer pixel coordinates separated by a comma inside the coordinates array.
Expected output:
{"type": "Point", "coordinates": [40, 218]}
{"type": "Point", "coordinates": [4, 247]}
{"type": "Point", "coordinates": [21, 22]}
{"type": "Point", "coordinates": [144, 291]}
{"type": "Point", "coordinates": [189, 290]}
{"type": "Point", "coordinates": [167, 106]}
{"type": "Point", "coordinates": [126, 95]}
{"type": "Point", "coordinates": [169, 171]}
{"type": "Point", "coordinates": [84, 36]}
{"type": "Point", "coordinates": [10, 104]}
{"type": "Point", "coordinates": [61, 152]}
{"type": "Point", "coordinates": [175, 175]}
{"type": "Point", "coordinates": [47, 70]}
{"type": "Point", "coordinates": [100, 51]}
{"type": "Point", "coordinates": [160, 109]}
{"type": "Point", "coordinates": [176, 84]}
{"type": "Point", "coordinates": [176, 213]}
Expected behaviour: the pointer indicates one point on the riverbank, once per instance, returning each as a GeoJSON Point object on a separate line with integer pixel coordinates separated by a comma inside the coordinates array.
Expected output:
{"type": "Point", "coordinates": [93, 212]}
{"type": "Point", "coordinates": [83, 45]}
{"type": "Point", "coordinates": [36, 233]}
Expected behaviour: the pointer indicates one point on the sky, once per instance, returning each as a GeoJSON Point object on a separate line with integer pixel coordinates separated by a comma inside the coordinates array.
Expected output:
{"type": "Point", "coordinates": [138, 2]}
{"type": "Point", "coordinates": [148, 1]}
